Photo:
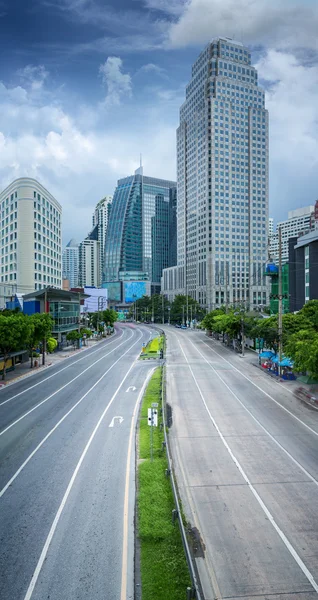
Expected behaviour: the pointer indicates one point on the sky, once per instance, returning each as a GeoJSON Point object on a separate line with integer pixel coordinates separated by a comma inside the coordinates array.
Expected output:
{"type": "Point", "coordinates": [86, 86]}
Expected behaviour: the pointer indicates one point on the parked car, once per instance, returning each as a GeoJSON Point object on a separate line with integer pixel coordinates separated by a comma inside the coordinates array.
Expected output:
{"type": "Point", "coordinates": [177, 325]}
{"type": "Point", "coordinates": [184, 327]}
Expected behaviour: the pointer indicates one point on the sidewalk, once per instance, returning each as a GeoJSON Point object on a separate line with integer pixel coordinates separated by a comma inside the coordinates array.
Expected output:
{"type": "Point", "coordinates": [23, 370]}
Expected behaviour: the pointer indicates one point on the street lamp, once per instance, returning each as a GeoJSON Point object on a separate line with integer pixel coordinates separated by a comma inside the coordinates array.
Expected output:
{"type": "Point", "coordinates": [169, 308]}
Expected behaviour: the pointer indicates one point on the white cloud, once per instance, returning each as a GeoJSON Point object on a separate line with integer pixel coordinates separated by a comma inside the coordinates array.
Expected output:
{"type": "Point", "coordinates": [79, 161]}
{"type": "Point", "coordinates": [173, 7]}
{"type": "Point", "coordinates": [281, 23]}
{"type": "Point", "coordinates": [291, 99]}
{"type": "Point", "coordinates": [34, 76]}
{"type": "Point", "coordinates": [118, 83]}
{"type": "Point", "coordinates": [152, 68]}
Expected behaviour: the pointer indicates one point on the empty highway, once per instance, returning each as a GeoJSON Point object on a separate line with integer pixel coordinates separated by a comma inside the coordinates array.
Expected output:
{"type": "Point", "coordinates": [246, 458]}
{"type": "Point", "coordinates": [67, 475]}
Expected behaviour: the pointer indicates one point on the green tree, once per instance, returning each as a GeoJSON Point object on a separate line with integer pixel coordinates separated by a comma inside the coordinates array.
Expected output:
{"type": "Point", "coordinates": [178, 310]}
{"type": "Point", "coordinates": [14, 335]}
{"type": "Point", "coordinates": [73, 336]}
{"type": "Point", "coordinates": [109, 316]}
{"type": "Point", "coordinates": [267, 329]}
{"type": "Point", "coordinates": [302, 348]}
{"type": "Point", "coordinates": [310, 311]}
{"type": "Point", "coordinates": [42, 324]}
{"type": "Point", "coordinates": [51, 344]}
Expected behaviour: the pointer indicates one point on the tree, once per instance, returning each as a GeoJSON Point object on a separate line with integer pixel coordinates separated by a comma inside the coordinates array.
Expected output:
{"type": "Point", "coordinates": [178, 311]}
{"type": "Point", "coordinates": [302, 348]}
{"type": "Point", "coordinates": [14, 335]}
{"type": "Point", "coordinates": [51, 344]}
{"type": "Point", "coordinates": [310, 311]}
{"type": "Point", "coordinates": [267, 329]}
{"type": "Point", "coordinates": [109, 316]}
{"type": "Point", "coordinates": [42, 324]}
{"type": "Point", "coordinates": [73, 336]}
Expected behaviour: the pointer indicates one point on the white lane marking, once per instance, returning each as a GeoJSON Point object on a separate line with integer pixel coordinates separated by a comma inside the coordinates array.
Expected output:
{"type": "Point", "coordinates": [131, 387]}
{"type": "Point", "coordinates": [269, 515]}
{"type": "Point", "coordinates": [263, 391]}
{"type": "Point", "coordinates": [59, 423]}
{"type": "Point", "coordinates": [124, 571]}
{"type": "Point", "coordinates": [61, 370]}
{"type": "Point", "coordinates": [54, 525]}
{"type": "Point", "coordinates": [120, 419]}
{"type": "Point", "coordinates": [256, 420]}
{"type": "Point", "coordinates": [60, 389]}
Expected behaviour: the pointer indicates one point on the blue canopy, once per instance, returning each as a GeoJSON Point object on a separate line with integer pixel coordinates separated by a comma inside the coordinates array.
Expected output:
{"type": "Point", "coordinates": [286, 362]}
{"type": "Point", "coordinates": [275, 359]}
{"type": "Point", "coordinates": [266, 354]}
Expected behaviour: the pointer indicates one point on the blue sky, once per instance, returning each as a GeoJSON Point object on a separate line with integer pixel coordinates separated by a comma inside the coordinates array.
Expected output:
{"type": "Point", "coordinates": [88, 85]}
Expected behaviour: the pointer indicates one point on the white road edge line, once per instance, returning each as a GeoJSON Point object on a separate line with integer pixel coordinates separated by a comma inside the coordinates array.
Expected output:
{"type": "Point", "coordinates": [269, 515]}
{"type": "Point", "coordinates": [60, 389]}
{"type": "Point", "coordinates": [61, 370]}
{"type": "Point", "coordinates": [315, 481]}
{"type": "Point", "coordinates": [263, 391]}
{"type": "Point", "coordinates": [4, 489]}
{"type": "Point", "coordinates": [54, 525]}
{"type": "Point", "coordinates": [124, 572]}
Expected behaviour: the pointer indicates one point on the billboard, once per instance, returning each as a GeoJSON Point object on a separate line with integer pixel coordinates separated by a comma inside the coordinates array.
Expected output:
{"type": "Point", "coordinates": [133, 290]}
{"type": "Point", "coordinates": [114, 290]}
{"type": "Point", "coordinates": [97, 299]}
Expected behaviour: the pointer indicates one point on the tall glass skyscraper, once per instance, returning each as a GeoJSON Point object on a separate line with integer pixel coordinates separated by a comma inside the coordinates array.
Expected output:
{"type": "Point", "coordinates": [222, 174]}
{"type": "Point", "coordinates": [138, 236]}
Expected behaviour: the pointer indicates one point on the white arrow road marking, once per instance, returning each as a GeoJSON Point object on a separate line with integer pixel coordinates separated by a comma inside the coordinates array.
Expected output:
{"type": "Point", "coordinates": [113, 421]}
{"type": "Point", "coordinates": [131, 387]}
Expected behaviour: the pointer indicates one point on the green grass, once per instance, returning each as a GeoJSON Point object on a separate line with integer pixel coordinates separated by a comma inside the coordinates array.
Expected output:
{"type": "Point", "coordinates": [153, 348]}
{"type": "Point", "coordinates": [164, 571]}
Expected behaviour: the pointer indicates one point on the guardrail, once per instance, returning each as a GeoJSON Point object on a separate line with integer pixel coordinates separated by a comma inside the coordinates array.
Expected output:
{"type": "Point", "coordinates": [195, 590]}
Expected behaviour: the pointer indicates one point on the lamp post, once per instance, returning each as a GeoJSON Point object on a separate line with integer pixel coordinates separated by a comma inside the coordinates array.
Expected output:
{"type": "Point", "coordinates": [183, 315]}
{"type": "Point", "coordinates": [169, 308]}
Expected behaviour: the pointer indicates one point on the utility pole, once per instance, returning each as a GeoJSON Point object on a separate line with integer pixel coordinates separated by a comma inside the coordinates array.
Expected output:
{"type": "Point", "coordinates": [225, 282]}
{"type": "Point", "coordinates": [243, 333]}
{"type": "Point", "coordinates": [191, 312]}
{"type": "Point", "coordinates": [163, 309]}
{"type": "Point", "coordinates": [183, 314]}
{"type": "Point", "coordinates": [153, 313]}
{"type": "Point", "coordinates": [280, 300]}
{"type": "Point", "coordinates": [44, 340]}
{"type": "Point", "coordinates": [187, 299]}
{"type": "Point", "coordinates": [79, 312]}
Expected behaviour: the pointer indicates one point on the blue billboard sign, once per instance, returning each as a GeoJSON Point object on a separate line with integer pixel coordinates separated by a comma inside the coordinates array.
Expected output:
{"type": "Point", "coordinates": [133, 290]}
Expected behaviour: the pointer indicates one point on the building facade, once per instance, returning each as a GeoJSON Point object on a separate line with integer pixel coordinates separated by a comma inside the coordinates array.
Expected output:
{"type": "Point", "coordinates": [303, 261]}
{"type": "Point", "coordinates": [140, 239]}
{"type": "Point", "coordinates": [100, 221]}
{"type": "Point", "coordinates": [70, 263]}
{"type": "Point", "coordinates": [89, 262]}
{"type": "Point", "coordinates": [299, 221]}
{"type": "Point", "coordinates": [31, 239]}
{"type": "Point", "coordinates": [222, 176]}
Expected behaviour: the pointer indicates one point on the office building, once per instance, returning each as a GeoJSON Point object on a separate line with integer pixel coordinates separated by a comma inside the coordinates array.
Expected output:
{"type": "Point", "coordinates": [30, 240]}
{"type": "Point", "coordinates": [299, 221]}
{"type": "Point", "coordinates": [70, 263]}
{"type": "Point", "coordinates": [100, 221]}
{"type": "Point", "coordinates": [89, 261]}
{"type": "Point", "coordinates": [141, 238]}
{"type": "Point", "coordinates": [222, 176]}
{"type": "Point", "coordinates": [92, 249]}
{"type": "Point", "coordinates": [303, 261]}
{"type": "Point", "coordinates": [270, 226]}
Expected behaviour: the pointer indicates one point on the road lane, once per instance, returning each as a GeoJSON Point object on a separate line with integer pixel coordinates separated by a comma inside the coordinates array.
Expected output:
{"type": "Point", "coordinates": [85, 561]}
{"type": "Point", "coordinates": [228, 467]}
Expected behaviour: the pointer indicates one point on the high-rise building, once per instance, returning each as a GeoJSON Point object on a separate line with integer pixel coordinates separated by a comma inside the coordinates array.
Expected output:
{"type": "Point", "coordinates": [92, 249]}
{"type": "Point", "coordinates": [70, 263]}
{"type": "Point", "coordinates": [89, 260]}
{"type": "Point", "coordinates": [303, 260]}
{"type": "Point", "coordinates": [222, 176]}
{"type": "Point", "coordinates": [100, 221]}
{"type": "Point", "coordinates": [141, 237]}
{"type": "Point", "coordinates": [270, 226]}
{"type": "Point", "coordinates": [30, 240]}
{"type": "Point", "coordinates": [299, 221]}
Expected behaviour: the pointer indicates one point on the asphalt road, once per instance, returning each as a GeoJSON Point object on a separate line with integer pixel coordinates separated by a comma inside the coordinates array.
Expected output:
{"type": "Point", "coordinates": [67, 475]}
{"type": "Point", "coordinates": [246, 458]}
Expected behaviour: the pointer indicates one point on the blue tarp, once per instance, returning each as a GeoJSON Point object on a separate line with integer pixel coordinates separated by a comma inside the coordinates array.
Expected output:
{"type": "Point", "coordinates": [286, 362]}
{"type": "Point", "coordinates": [266, 354]}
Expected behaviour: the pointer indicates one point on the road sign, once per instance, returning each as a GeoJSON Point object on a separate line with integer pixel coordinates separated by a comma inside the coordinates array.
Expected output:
{"type": "Point", "coordinates": [152, 417]}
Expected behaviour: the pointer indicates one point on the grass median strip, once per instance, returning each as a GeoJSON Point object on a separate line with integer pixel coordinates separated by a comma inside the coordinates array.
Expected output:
{"type": "Point", "coordinates": [164, 571]}
{"type": "Point", "coordinates": [152, 350]}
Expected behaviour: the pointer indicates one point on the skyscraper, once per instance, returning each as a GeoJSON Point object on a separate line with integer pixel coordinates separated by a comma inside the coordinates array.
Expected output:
{"type": "Point", "coordinates": [299, 221]}
{"type": "Point", "coordinates": [140, 229]}
{"type": "Point", "coordinates": [222, 175]}
{"type": "Point", "coordinates": [30, 236]}
{"type": "Point", "coordinates": [100, 221]}
{"type": "Point", "coordinates": [70, 263]}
